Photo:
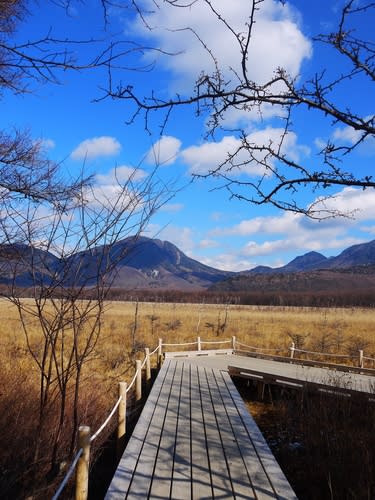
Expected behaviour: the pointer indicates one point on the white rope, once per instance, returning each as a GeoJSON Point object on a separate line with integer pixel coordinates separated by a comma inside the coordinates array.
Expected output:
{"type": "Point", "coordinates": [323, 353]}
{"type": "Point", "coordinates": [105, 423]}
{"type": "Point", "coordinates": [132, 382]}
{"type": "Point", "coordinates": [216, 341]}
{"type": "Point", "coordinates": [67, 475]}
{"type": "Point", "coordinates": [370, 359]}
{"type": "Point", "coordinates": [259, 348]}
{"type": "Point", "coordinates": [174, 345]}
{"type": "Point", "coordinates": [154, 351]}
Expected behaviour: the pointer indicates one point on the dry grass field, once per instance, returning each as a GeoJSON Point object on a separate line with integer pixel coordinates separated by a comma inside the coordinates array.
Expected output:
{"type": "Point", "coordinates": [128, 328]}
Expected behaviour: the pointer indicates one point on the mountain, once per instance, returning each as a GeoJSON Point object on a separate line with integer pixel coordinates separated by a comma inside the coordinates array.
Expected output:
{"type": "Point", "coordinates": [352, 269]}
{"type": "Point", "coordinates": [133, 263]}
{"type": "Point", "coordinates": [356, 255]}
{"type": "Point", "coordinates": [309, 261]}
{"type": "Point", "coordinates": [22, 265]}
{"type": "Point", "coordinates": [145, 263]}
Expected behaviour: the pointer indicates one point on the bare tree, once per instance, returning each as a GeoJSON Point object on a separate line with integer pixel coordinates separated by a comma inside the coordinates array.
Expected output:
{"type": "Point", "coordinates": [284, 176]}
{"type": "Point", "coordinates": [65, 262]}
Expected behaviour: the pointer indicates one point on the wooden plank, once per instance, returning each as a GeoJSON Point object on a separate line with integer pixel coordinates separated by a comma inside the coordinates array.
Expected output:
{"type": "Point", "coordinates": [220, 477]}
{"type": "Point", "coordinates": [258, 482]}
{"type": "Point", "coordinates": [182, 474]}
{"type": "Point", "coordinates": [125, 471]}
{"type": "Point", "coordinates": [201, 472]}
{"type": "Point", "coordinates": [202, 353]}
{"type": "Point", "coordinates": [163, 466]}
{"type": "Point", "coordinates": [307, 362]}
{"type": "Point", "coordinates": [234, 459]}
{"type": "Point", "coordinates": [158, 429]}
{"type": "Point", "coordinates": [328, 388]}
{"type": "Point", "coordinates": [276, 477]}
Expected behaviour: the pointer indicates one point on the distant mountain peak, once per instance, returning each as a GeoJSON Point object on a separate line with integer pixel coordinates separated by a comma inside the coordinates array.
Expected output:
{"type": "Point", "coordinates": [310, 260]}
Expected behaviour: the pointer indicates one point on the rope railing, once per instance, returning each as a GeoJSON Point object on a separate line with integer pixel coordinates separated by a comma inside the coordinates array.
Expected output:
{"type": "Point", "coordinates": [269, 349]}
{"type": "Point", "coordinates": [154, 351]}
{"type": "Point", "coordinates": [67, 475]}
{"type": "Point", "coordinates": [106, 421]}
{"type": "Point", "coordinates": [180, 344]}
{"type": "Point", "coordinates": [216, 341]}
{"type": "Point", "coordinates": [324, 353]}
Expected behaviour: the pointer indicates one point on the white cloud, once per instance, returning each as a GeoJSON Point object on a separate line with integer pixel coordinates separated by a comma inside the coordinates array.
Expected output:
{"type": "Point", "coordinates": [347, 134]}
{"type": "Point", "coordinates": [290, 233]}
{"type": "Point", "coordinates": [368, 229]}
{"type": "Point", "coordinates": [227, 262]}
{"type": "Point", "coordinates": [96, 147]}
{"type": "Point", "coordinates": [117, 188]}
{"type": "Point", "coordinates": [358, 203]}
{"type": "Point", "coordinates": [182, 237]}
{"type": "Point", "coordinates": [172, 207]}
{"type": "Point", "coordinates": [48, 144]}
{"type": "Point", "coordinates": [164, 151]}
{"type": "Point", "coordinates": [206, 243]}
{"type": "Point", "coordinates": [120, 176]}
{"type": "Point", "coordinates": [277, 40]}
{"type": "Point", "coordinates": [207, 157]}
{"type": "Point", "coordinates": [350, 136]}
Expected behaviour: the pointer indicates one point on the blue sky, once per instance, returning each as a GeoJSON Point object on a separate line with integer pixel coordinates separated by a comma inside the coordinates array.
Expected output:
{"type": "Point", "coordinates": [201, 220]}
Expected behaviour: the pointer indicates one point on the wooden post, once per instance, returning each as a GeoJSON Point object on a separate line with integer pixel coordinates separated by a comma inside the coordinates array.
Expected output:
{"type": "Point", "coordinates": [199, 344]}
{"type": "Point", "coordinates": [261, 388]}
{"type": "Point", "coordinates": [148, 365]}
{"type": "Point", "coordinates": [160, 353]}
{"type": "Point", "coordinates": [121, 427]}
{"type": "Point", "coordinates": [138, 380]}
{"type": "Point", "coordinates": [361, 358]}
{"type": "Point", "coordinates": [292, 349]}
{"type": "Point", "coordinates": [82, 471]}
{"type": "Point", "coordinates": [234, 343]}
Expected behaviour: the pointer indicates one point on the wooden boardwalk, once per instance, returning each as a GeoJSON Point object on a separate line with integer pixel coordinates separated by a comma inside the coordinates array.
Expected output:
{"type": "Point", "coordinates": [291, 375]}
{"type": "Point", "coordinates": [196, 440]}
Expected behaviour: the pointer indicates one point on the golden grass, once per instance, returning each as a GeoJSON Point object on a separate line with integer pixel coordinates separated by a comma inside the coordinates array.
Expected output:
{"type": "Point", "coordinates": [339, 330]}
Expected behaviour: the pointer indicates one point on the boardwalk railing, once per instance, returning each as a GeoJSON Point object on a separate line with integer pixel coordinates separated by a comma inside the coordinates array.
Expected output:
{"type": "Point", "coordinates": [80, 463]}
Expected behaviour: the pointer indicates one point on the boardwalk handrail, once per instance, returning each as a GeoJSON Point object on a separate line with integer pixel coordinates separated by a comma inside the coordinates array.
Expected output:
{"type": "Point", "coordinates": [263, 349]}
{"type": "Point", "coordinates": [68, 475]}
{"type": "Point", "coordinates": [140, 367]}
{"type": "Point", "coordinates": [291, 349]}
{"type": "Point", "coordinates": [325, 353]}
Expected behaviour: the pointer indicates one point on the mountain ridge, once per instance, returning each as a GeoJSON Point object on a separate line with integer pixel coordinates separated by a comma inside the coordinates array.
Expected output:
{"type": "Point", "coordinates": [146, 263]}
